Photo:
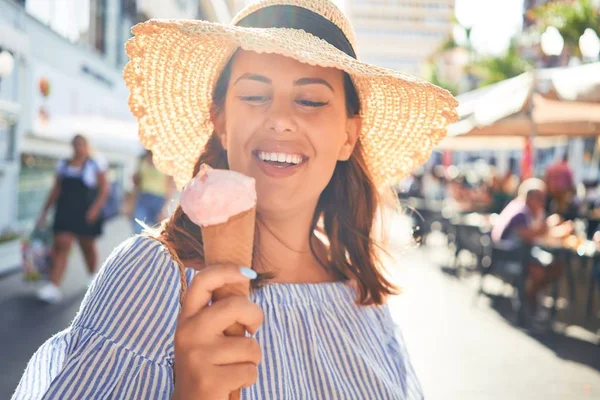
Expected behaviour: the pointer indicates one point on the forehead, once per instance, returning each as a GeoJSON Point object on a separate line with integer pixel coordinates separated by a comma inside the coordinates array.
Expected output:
{"type": "Point", "coordinates": [280, 68]}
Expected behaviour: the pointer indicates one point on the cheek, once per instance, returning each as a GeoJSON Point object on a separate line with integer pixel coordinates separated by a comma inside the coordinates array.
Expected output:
{"type": "Point", "coordinates": [239, 128]}
{"type": "Point", "coordinates": [328, 137]}
{"type": "Point", "coordinates": [327, 141]}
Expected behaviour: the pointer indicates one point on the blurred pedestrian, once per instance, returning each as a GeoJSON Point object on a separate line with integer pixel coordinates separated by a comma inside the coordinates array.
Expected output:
{"type": "Point", "coordinates": [519, 225]}
{"type": "Point", "coordinates": [153, 189]}
{"type": "Point", "coordinates": [78, 195]}
{"type": "Point", "coordinates": [561, 190]}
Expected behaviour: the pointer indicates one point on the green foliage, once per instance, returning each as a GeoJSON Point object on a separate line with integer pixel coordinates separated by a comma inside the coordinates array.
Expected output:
{"type": "Point", "coordinates": [448, 44]}
{"type": "Point", "coordinates": [571, 18]}
{"type": "Point", "coordinates": [493, 69]}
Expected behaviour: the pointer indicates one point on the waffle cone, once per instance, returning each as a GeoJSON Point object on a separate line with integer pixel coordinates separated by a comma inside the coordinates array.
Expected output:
{"type": "Point", "coordinates": [231, 243]}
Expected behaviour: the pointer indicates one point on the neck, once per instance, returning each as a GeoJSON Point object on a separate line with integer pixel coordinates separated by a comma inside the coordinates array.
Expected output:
{"type": "Point", "coordinates": [285, 252]}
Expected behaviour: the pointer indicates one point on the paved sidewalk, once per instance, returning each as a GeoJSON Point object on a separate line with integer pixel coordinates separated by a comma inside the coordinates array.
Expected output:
{"type": "Point", "coordinates": [464, 349]}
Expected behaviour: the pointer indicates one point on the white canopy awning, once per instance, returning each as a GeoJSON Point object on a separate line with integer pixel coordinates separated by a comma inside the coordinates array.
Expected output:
{"type": "Point", "coordinates": [566, 101]}
{"type": "Point", "coordinates": [103, 133]}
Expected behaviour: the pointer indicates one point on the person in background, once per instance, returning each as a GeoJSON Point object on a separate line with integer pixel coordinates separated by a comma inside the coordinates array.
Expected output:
{"type": "Point", "coordinates": [153, 189]}
{"type": "Point", "coordinates": [79, 193]}
{"type": "Point", "coordinates": [561, 190]}
{"type": "Point", "coordinates": [522, 222]}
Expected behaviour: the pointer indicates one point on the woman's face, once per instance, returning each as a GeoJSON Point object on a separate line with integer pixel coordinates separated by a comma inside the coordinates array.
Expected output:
{"type": "Point", "coordinates": [80, 147]}
{"type": "Point", "coordinates": [285, 124]}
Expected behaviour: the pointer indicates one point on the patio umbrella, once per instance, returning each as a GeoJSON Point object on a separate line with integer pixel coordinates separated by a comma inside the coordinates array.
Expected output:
{"type": "Point", "coordinates": [554, 102]}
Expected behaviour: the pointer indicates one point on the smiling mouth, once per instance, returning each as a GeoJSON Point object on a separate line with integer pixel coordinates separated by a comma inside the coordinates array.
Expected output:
{"type": "Point", "coordinates": [281, 160]}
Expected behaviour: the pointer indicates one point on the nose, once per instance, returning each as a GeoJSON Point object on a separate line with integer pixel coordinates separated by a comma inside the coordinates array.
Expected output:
{"type": "Point", "coordinates": [281, 117]}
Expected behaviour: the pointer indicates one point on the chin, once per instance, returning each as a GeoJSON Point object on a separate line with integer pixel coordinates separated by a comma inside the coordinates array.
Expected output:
{"type": "Point", "coordinates": [278, 199]}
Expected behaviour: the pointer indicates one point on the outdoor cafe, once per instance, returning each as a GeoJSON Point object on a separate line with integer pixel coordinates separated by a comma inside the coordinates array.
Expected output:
{"type": "Point", "coordinates": [538, 110]}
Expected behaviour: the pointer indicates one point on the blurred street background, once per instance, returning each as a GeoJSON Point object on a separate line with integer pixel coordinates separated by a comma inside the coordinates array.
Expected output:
{"type": "Point", "coordinates": [527, 76]}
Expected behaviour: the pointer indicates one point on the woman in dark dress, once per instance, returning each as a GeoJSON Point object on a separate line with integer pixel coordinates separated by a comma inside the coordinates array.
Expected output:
{"type": "Point", "coordinates": [79, 193]}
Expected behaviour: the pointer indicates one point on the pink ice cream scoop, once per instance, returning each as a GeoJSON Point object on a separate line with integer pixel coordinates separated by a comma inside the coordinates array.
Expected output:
{"type": "Point", "coordinates": [215, 195]}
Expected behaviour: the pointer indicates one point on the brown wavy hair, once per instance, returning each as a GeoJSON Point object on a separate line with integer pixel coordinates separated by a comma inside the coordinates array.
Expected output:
{"type": "Point", "coordinates": [345, 213]}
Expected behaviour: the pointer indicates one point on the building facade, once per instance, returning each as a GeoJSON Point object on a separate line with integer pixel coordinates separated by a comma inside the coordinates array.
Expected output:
{"type": "Point", "coordinates": [400, 34]}
{"type": "Point", "coordinates": [67, 79]}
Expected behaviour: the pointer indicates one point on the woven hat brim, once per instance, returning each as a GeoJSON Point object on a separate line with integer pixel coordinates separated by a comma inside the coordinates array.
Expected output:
{"type": "Point", "coordinates": [174, 66]}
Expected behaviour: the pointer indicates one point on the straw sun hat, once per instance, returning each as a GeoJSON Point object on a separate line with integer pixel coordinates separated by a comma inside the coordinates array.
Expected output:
{"type": "Point", "coordinates": [174, 66]}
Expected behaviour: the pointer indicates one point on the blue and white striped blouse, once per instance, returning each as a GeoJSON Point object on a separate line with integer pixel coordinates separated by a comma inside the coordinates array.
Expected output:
{"type": "Point", "coordinates": [317, 344]}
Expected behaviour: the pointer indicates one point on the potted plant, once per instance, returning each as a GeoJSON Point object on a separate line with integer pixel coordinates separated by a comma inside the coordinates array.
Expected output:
{"type": "Point", "coordinates": [10, 251]}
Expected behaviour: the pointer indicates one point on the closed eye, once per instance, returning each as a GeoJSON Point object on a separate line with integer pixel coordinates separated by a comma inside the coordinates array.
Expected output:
{"type": "Point", "coordinates": [254, 99]}
{"type": "Point", "coordinates": [309, 103]}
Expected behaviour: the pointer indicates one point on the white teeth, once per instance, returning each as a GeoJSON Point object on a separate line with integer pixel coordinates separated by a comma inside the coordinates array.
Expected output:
{"type": "Point", "coordinates": [281, 157]}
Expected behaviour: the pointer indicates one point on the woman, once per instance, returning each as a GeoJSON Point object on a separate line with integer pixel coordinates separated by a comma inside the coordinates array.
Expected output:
{"type": "Point", "coordinates": [78, 195]}
{"type": "Point", "coordinates": [153, 189]}
{"type": "Point", "coordinates": [282, 83]}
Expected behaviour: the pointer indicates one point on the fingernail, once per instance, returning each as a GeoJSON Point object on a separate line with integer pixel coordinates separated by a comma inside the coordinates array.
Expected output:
{"type": "Point", "coordinates": [248, 273]}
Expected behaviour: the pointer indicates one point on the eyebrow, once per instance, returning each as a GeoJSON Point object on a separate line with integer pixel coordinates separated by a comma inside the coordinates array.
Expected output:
{"type": "Point", "coordinates": [254, 77]}
{"type": "Point", "coordinates": [299, 82]}
{"type": "Point", "coordinates": [313, 81]}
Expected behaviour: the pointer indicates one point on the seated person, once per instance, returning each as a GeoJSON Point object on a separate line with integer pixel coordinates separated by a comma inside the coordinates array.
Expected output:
{"type": "Point", "coordinates": [522, 222]}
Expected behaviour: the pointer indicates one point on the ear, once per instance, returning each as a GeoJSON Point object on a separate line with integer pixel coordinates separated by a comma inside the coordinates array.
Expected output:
{"type": "Point", "coordinates": [353, 126]}
{"type": "Point", "coordinates": [219, 123]}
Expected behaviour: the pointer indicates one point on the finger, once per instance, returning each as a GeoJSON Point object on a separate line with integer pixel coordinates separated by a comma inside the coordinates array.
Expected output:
{"type": "Point", "coordinates": [238, 350]}
{"type": "Point", "coordinates": [224, 313]}
{"type": "Point", "coordinates": [207, 281]}
{"type": "Point", "coordinates": [239, 376]}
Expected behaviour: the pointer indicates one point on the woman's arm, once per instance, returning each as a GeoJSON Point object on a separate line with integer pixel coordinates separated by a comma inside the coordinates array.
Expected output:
{"type": "Point", "coordinates": [50, 201]}
{"type": "Point", "coordinates": [120, 344]}
{"type": "Point", "coordinates": [103, 192]}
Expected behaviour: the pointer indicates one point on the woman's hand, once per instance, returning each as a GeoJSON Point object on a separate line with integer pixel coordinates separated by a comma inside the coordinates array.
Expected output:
{"type": "Point", "coordinates": [40, 224]}
{"type": "Point", "coordinates": [209, 365]}
{"type": "Point", "coordinates": [93, 214]}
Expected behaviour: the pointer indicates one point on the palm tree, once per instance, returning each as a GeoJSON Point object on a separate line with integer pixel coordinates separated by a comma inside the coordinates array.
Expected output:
{"type": "Point", "coordinates": [571, 18]}
{"type": "Point", "coordinates": [493, 69]}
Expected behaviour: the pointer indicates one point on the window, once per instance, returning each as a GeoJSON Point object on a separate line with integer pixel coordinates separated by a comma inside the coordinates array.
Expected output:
{"type": "Point", "coordinates": [79, 21]}
{"type": "Point", "coordinates": [98, 25]}
{"type": "Point", "coordinates": [128, 19]}
{"type": "Point", "coordinates": [7, 140]}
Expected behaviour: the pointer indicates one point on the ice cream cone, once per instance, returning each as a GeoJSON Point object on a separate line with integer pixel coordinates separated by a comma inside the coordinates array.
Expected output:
{"type": "Point", "coordinates": [223, 204]}
{"type": "Point", "coordinates": [231, 243]}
